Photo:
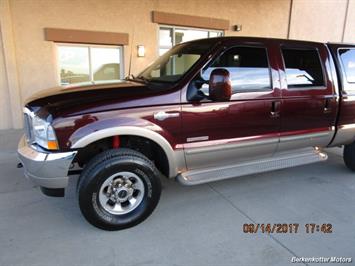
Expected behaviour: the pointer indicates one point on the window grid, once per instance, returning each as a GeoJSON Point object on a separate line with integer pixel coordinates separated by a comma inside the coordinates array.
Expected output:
{"type": "Point", "coordinates": [173, 29]}
{"type": "Point", "coordinates": [90, 47]}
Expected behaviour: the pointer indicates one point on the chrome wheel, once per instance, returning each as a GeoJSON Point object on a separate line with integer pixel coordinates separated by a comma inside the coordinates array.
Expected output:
{"type": "Point", "coordinates": [121, 193]}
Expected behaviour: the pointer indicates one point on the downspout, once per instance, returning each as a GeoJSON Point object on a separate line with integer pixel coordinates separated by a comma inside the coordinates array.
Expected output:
{"type": "Point", "coordinates": [345, 20]}
{"type": "Point", "coordinates": [289, 20]}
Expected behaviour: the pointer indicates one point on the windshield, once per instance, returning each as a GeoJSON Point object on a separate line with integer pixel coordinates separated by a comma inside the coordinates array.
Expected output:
{"type": "Point", "coordinates": [172, 65]}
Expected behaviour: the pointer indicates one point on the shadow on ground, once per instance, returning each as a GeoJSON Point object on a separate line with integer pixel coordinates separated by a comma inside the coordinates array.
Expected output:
{"type": "Point", "coordinates": [200, 225]}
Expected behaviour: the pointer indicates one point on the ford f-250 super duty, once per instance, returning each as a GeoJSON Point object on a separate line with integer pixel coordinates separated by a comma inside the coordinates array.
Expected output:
{"type": "Point", "coordinates": [206, 110]}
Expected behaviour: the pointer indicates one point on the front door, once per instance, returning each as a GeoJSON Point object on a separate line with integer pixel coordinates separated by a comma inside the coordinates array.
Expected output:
{"type": "Point", "coordinates": [218, 134]}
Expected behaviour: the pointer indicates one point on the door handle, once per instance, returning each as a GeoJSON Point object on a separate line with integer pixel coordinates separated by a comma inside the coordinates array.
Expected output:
{"type": "Point", "coordinates": [275, 109]}
{"type": "Point", "coordinates": [327, 107]}
{"type": "Point", "coordinates": [163, 115]}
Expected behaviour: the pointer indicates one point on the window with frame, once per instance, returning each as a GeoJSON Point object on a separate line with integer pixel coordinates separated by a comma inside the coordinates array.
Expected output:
{"type": "Point", "coordinates": [303, 68]}
{"type": "Point", "coordinates": [171, 66]}
{"type": "Point", "coordinates": [89, 63]}
{"type": "Point", "coordinates": [347, 57]}
{"type": "Point", "coordinates": [170, 36]}
{"type": "Point", "coordinates": [248, 67]}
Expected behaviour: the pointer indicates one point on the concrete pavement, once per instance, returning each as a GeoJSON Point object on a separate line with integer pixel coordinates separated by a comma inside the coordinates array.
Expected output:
{"type": "Point", "coordinates": [201, 225]}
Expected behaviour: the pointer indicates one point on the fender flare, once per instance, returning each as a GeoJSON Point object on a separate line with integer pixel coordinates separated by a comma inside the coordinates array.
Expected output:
{"type": "Point", "coordinates": [173, 156]}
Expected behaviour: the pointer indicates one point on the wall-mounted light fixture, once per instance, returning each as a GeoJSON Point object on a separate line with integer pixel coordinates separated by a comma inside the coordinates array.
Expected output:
{"type": "Point", "coordinates": [140, 50]}
{"type": "Point", "coordinates": [237, 27]}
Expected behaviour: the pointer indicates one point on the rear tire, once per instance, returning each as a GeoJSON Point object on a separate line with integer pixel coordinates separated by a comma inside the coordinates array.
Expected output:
{"type": "Point", "coordinates": [118, 189]}
{"type": "Point", "coordinates": [349, 156]}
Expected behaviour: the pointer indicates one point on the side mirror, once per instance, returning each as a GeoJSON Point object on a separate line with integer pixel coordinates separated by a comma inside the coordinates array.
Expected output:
{"type": "Point", "coordinates": [220, 87]}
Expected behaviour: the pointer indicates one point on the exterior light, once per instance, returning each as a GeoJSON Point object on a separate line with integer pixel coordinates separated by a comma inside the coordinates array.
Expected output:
{"type": "Point", "coordinates": [237, 27]}
{"type": "Point", "coordinates": [140, 50]}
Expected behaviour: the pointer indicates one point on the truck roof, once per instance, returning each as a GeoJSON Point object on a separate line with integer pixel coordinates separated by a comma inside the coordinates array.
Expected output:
{"type": "Point", "coordinates": [341, 44]}
{"type": "Point", "coordinates": [262, 39]}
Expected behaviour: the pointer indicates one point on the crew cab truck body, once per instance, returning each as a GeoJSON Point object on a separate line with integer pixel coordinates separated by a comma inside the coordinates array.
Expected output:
{"type": "Point", "coordinates": [206, 110]}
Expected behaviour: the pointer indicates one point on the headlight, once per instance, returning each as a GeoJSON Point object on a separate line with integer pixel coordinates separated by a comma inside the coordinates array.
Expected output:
{"type": "Point", "coordinates": [44, 134]}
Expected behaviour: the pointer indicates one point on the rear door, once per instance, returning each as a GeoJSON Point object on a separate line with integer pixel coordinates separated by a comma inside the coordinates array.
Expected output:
{"type": "Point", "coordinates": [309, 101]}
{"type": "Point", "coordinates": [344, 58]}
{"type": "Point", "coordinates": [244, 128]}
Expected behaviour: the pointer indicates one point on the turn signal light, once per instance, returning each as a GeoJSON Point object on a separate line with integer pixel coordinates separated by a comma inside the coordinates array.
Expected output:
{"type": "Point", "coordinates": [52, 145]}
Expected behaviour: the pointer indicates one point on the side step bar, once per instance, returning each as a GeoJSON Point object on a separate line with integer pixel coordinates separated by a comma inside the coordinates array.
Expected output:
{"type": "Point", "coordinates": [279, 161]}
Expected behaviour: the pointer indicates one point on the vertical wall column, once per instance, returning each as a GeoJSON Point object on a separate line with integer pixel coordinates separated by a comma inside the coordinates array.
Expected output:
{"type": "Point", "coordinates": [349, 25]}
{"type": "Point", "coordinates": [10, 85]}
{"type": "Point", "coordinates": [316, 20]}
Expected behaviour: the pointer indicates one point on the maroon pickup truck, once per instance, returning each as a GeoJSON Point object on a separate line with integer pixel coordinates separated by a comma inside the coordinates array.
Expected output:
{"type": "Point", "coordinates": [206, 110]}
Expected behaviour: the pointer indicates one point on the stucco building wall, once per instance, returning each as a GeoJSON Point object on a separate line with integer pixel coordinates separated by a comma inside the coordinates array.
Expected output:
{"type": "Point", "coordinates": [321, 20]}
{"type": "Point", "coordinates": [349, 30]}
{"type": "Point", "coordinates": [36, 62]}
{"type": "Point", "coordinates": [5, 120]}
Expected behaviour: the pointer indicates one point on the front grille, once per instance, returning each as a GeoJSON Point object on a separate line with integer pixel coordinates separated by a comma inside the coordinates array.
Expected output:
{"type": "Point", "coordinates": [28, 126]}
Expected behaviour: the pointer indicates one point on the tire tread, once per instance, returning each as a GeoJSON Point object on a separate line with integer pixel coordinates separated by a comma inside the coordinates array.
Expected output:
{"type": "Point", "coordinates": [96, 164]}
{"type": "Point", "coordinates": [349, 156]}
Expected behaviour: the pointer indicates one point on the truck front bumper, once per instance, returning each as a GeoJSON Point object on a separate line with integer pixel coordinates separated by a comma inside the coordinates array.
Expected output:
{"type": "Point", "coordinates": [49, 170]}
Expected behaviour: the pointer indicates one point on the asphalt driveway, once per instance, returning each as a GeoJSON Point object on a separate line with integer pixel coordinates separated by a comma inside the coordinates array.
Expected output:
{"type": "Point", "coordinates": [201, 225]}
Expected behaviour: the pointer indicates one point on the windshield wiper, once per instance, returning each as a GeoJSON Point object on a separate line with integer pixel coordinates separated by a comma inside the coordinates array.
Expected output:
{"type": "Point", "coordinates": [130, 77]}
{"type": "Point", "coordinates": [140, 79]}
{"type": "Point", "coordinates": [161, 81]}
{"type": "Point", "coordinates": [143, 79]}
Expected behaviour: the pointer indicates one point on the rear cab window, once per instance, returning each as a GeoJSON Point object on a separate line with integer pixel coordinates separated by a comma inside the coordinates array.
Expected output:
{"type": "Point", "coordinates": [303, 68]}
{"type": "Point", "coordinates": [347, 58]}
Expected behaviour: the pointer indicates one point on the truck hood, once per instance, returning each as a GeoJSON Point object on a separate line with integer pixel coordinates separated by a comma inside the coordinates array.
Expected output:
{"type": "Point", "coordinates": [90, 98]}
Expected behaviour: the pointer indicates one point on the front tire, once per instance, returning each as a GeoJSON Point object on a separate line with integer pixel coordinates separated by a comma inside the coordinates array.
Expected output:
{"type": "Point", "coordinates": [349, 156]}
{"type": "Point", "coordinates": [118, 189]}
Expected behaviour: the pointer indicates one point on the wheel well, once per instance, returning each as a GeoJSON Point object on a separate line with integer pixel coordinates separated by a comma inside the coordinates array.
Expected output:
{"type": "Point", "coordinates": [143, 145]}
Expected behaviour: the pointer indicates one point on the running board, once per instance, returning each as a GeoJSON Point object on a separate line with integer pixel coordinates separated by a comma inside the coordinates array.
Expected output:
{"type": "Point", "coordinates": [280, 161]}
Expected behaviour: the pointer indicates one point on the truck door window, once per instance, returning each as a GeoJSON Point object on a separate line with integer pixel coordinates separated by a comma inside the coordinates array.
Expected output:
{"type": "Point", "coordinates": [347, 57]}
{"type": "Point", "coordinates": [248, 68]}
{"type": "Point", "coordinates": [303, 68]}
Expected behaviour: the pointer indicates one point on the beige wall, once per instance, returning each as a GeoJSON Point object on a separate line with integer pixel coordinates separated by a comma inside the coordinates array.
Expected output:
{"type": "Point", "coordinates": [318, 20]}
{"type": "Point", "coordinates": [4, 93]}
{"type": "Point", "coordinates": [349, 34]}
{"type": "Point", "coordinates": [9, 76]}
{"type": "Point", "coordinates": [265, 18]}
{"type": "Point", "coordinates": [35, 58]}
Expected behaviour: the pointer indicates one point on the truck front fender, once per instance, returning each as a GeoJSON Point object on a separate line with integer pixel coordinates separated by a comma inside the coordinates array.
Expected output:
{"type": "Point", "coordinates": [175, 157]}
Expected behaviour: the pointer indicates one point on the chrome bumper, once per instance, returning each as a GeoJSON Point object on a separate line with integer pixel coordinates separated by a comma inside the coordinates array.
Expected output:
{"type": "Point", "coordinates": [45, 169]}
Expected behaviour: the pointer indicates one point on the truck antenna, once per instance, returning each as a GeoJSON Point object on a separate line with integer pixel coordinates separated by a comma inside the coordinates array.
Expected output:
{"type": "Point", "coordinates": [130, 57]}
